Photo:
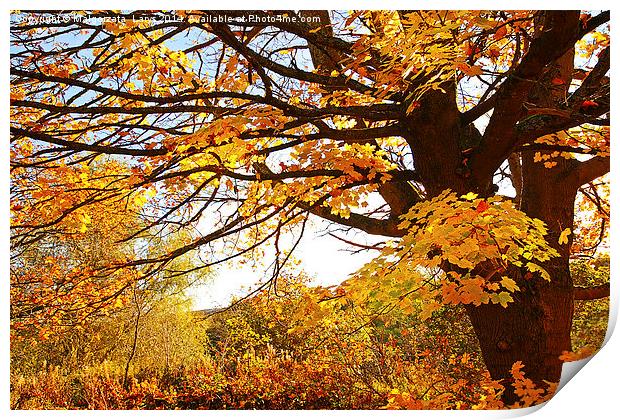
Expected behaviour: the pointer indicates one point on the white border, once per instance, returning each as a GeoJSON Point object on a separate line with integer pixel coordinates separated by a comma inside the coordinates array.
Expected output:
{"type": "Point", "coordinates": [592, 395]}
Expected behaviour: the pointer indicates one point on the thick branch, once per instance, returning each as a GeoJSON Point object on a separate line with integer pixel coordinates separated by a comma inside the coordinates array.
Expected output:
{"type": "Point", "coordinates": [384, 227]}
{"type": "Point", "coordinates": [558, 34]}
{"type": "Point", "coordinates": [592, 83]}
{"type": "Point", "coordinates": [589, 170]}
{"type": "Point", "coordinates": [556, 148]}
{"type": "Point", "coordinates": [485, 106]}
{"type": "Point", "coordinates": [591, 293]}
{"type": "Point", "coordinates": [594, 22]}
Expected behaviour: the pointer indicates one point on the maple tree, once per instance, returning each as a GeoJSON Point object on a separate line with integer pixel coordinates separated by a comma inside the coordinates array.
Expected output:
{"type": "Point", "coordinates": [233, 134]}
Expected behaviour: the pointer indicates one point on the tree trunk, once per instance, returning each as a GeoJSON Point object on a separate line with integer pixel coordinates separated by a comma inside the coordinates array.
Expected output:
{"type": "Point", "coordinates": [535, 329]}
{"type": "Point", "coordinates": [549, 196]}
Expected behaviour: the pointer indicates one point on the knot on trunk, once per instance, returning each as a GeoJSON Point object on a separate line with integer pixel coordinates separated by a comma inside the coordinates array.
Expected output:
{"type": "Point", "coordinates": [503, 345]}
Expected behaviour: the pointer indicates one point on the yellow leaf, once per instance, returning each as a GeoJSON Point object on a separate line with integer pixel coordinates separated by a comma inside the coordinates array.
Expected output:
{"type": "Point", "coordinates": [86, 220]}
{"type": "Point", "coordinates": [127, 41]}
{"type": "Point", "coordinates": [150, 193]}
{"type": "Point", "coordinates": [509, 284]}
{"type": "Point", "coordinates": [469, 196]}
{"type": "Point", "coordinates": [428, 307]}
{"type": "Point", "coordinates": [503, 298]}
{"type": "Point", "coordinates": [564, 236]}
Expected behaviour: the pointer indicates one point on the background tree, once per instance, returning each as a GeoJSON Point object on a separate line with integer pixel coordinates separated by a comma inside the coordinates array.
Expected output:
{"type": "Point", "coordinates": [352, 117]}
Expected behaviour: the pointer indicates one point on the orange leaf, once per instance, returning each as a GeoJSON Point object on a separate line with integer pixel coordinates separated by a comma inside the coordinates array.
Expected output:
{"type": "Point", "coordinates": [482, 206]}
{"type": "Point", "coordinates": [493, 52]}
{"type": "Point", "coordinates": [588, 104]}
{"type": "Point", "coordinates": [500, 33]}
{"type": "Point", "coordinates": [469, 70]}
